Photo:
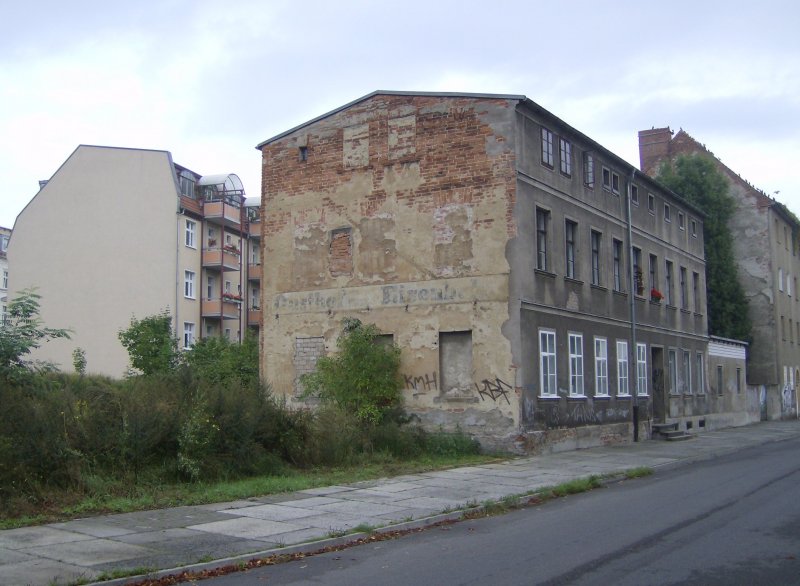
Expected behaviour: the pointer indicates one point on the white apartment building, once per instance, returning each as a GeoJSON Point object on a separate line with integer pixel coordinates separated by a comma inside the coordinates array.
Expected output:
{"type": "Point", "coordinates": [119, 233]}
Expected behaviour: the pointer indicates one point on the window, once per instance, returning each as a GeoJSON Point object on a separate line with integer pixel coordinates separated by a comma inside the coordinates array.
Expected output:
{"type": "Point", "coordinates": [667, 216]}
{"type": "Point", "coordinates": [188, 284]}
{"type": "Point", "coordinates": [570, 228]}
{"type": "Point", "coordinates": [641, 368]}
{"type": "Point", "coordinates": [681, 221]}
{"type": "Point", "coordinates": [227, 286]}
{"type": "Point", "coordinates": [651, 203]}
{"type": "Point", "coordinates": [455, 362]}
{"type": "Point", "coordinates": [700, 373]}
{"type": "Point", "coordinates": [595, 258]}
{"type": "Point", "coordinates": [600, 367]}
{"type": "Point", "coordinates": [687, 372]}
{"type": "Point", "coordinates": [576, 365]}
{"type": "Point", "coordinates": [622, 369]}
{"type": "Point", "coordinates": [720, 379]}
{"type": "Point", "coordinates": [188, 335]}
{"type": "Point", "coordinates": [588, 170]}
{"type": "Point", "coordinates": [186, 184]}
{"type": "Point", "coordinates": [547, 363]}
{"type": "Point", "coordinates": [783, 329]}
{"type": "Point", "coordinates": [654, 272]}
{"type": "Point", "coordinates": [634, 195]}
{"type": "Point", "coordinates": [788, 284]}
{"type": "Point", "coordinates": [694, 228]}
{"type": "Point", "coordinates": [191, 228]}
{"type": "Point", "coordinates": [228, 333]}
{"type": "Point", "coordinates": [302, 153]}
{"type": "Point", "coordinates": [617, 249]}
{"type": "Point", "coordinates": [5, 279]}
{"type": "Point", "coordinates": [684, 289]}
{"type": "Point", "coordinates": [780, 279]}
{"type": "Point", "coordinates": [791, 331]}
{"type": "Point", "coordinates": [672, 360]}
{"type": "Point", "coordinates": [638, 277]}
{"type": "Point", "coordinates": [615, 183]}
{"type": "Point", "coordinates": [542, 220]}
{"type": "Point", "coordinates": [547, 147]}
{"type": "Point", "coordinates": [786, 238]}
{"type": "Point", "coordinates": [565, 156]}
{"type": "Point", "coordinates": [696, 291]}
{"type": "Point", "coordinates": [210, 287]}
{"type": "Point", "coordinates": [668, 278]}
{"type": "Point", "coordinates": [606, 179]}
{"type": "Point", "coordinates": [739, 380]}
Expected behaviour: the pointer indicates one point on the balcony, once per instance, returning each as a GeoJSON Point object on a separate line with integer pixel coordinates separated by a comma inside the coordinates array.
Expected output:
{"type": "Point", "coordinates": [254, 272]}
{"type": "Point", "coordinates": [254, 316]}
{"type": "Point", "coordinates": [221, 258]}
{"type": "Point", "coordinates": [221, 308]}
{"type": "Point", "coordinates": [254, 229]}
{"type": "Point", "coordinates": [222, 213]}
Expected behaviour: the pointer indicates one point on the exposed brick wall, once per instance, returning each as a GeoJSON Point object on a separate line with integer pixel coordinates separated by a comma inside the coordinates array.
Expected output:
{"type": "Point", "coordinates": [306, 353]}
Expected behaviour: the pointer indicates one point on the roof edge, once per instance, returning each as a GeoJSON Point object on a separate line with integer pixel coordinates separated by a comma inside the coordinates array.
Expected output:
{"type": "Point", "coordinates": [260, 145]}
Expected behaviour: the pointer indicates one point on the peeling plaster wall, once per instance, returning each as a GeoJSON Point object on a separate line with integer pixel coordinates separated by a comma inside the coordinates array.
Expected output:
{"type": "Point", "coordinates": [426, 187]}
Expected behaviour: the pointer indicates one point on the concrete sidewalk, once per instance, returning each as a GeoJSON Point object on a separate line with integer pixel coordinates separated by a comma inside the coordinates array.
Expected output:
{"type": "Point", "coordinates": [62, 553]}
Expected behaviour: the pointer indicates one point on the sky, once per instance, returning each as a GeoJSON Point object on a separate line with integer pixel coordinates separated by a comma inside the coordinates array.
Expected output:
{"type": "Point", "coordinates": [209, 80]}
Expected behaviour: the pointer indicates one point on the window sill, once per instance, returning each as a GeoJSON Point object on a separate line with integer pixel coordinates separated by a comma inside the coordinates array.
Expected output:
{"type": "Point", "coordinates": [686, 311]}
{"type": "Point", "coordinates": [672, 307]}
{"type": "Point", "coordinates": [544, 273]}
{"type": "Point", "coordinates": [549, 397]}
{"type": "Point", "coordinates": [602, 397]}
{"type": "Point", "coordinates": [620, 293]}
{"type": "Point", "coordinates": [577, 398]}
{"type": "Point", "coordinates": [625, 397]}
{"type": "Point", "coordinates": [573, 281]}
{"type": "Point", "coordinates": [599, 288]}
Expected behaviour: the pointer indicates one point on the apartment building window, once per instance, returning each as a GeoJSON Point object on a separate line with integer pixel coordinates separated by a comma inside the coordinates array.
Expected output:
{"type": "Point", "coordinates": [672, 362]}
{"type": "Point", "coordinates": [188, 335]}
{"type": "Point", "coordinates": [617, 250]}
{"type": "Point", "coordinates": [638, 276]}
{"type": "Point", "coordinates": [700, 373]}
{"type": "Point", "coordinates": [3, 315]}
{"type": "Point", "coordinates": [606, 179]}
{"type": "Point", "coordinates": [696, 291]}
{"type": "Point", "coordinates": [684, 289]}
{"type": "Point", "coordinates": [681, 221]}
{"type": "Point", "coordinates": [542, 221]}
{"type": "Point", "coordinates": [5, 279]}
{"type": "Point", "coordinates": [780, 279]}
{"type": "Point", "coordinates": [783, 329]}
{"type": "Point", "coordinates": [694, 228]}
{"type": "Point", "coordinates": [622, 369]}
{"type": "Point", "coordinates": [651, 203]}
{"type": "Point", "coordinates": [191, 229]}
{"type": "Point", "coordinates": [595, 257]}
{"type": "Point", "coordinates": [668, 278]}
{"type": "Point", "coordinates": [641, 368]}
{"type": "Point", "coordinates": [547, 363]}
{"type": "Point", "coordinates": [600, 367]}
{"type": "Point", "coordinates": [786, 238]}
{"type": "Point", "coordinates": [547, 148]}
{"type": "Point", "coordinates": [210, 287]}
{"type": "Point", "coordinates": [570, 229]}
{"type": "Point", "coordinates": [615, 183]}
{"type": "Point", "coordinates": [634, 195]}
{"type": "Point", "coordinates": [565, 156]}
{"type": "Point", "coordinates": [791, 331]}
{"type": "Point", "coordinates": [576, 365]}
{"type": "Point", "coordinates": [588, 170]}
{"type": "Point", "coordinates": [3, 243]}
{"type": "Point", "coordinates": [653, 271]}
{"type": "Point", "coordinates": [227, 286]}
{"type": "Point", "coordinates": [720, 379]}
{"type": "Point", "coordinates": [302, 154]}
{"type": "Point", "coordinates": [687, 372]}
{"type": "Point", "coordinates": [667, 214]}
{"type": "Point", "coordinates": [789, 284]}
{"type": "Point", "coordinates": [188, 284]}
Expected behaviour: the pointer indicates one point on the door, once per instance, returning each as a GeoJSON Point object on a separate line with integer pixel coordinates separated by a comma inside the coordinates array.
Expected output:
{"type": "Point", "coordinates": [657, 376]}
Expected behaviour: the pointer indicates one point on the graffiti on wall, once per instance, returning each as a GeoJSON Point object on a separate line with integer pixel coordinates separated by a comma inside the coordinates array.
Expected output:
{"type": "Point", "coordinates": [421, 384]}
{"type": "Point", "coordinates": [489, 388]}
{"type": "Point", "coordinates": [494, 389]}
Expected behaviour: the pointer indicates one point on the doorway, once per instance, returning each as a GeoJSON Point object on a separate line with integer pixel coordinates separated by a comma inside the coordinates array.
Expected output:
{"type": "Point", "coordinates": [657, 378]}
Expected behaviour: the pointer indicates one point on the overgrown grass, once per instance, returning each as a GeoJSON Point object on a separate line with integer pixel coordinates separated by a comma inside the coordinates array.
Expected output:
{"type": "Point", "coordinates": [639, 472]}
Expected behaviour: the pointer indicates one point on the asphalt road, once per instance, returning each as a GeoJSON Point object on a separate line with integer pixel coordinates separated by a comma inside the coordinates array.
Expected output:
{"type": "Point", "coordinates": [731, 520]}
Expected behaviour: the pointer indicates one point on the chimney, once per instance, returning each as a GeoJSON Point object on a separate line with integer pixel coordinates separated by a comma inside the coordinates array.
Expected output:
{"type": "Point", "coordinates": [654, 147]}
{"type": "Point", "coordinates": [42, 183]}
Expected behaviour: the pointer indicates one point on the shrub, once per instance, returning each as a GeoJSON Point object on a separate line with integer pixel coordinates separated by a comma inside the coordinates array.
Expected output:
{"type": "Point", "coordinates": [150, 344]}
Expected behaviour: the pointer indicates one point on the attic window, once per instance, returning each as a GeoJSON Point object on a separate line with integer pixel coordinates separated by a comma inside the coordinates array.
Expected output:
{"type": "Point", "coordinates": [303, 153]}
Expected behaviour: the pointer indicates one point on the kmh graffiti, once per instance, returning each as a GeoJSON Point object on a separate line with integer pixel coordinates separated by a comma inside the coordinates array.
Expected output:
{"type": "Point", "coordinates": [494, 389]}
{"type": "Point", "coordinates": [422, 383]}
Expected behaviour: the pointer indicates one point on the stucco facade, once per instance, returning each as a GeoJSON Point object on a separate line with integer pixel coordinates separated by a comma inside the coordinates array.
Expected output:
{"type": "Point", "coordinates": [120, 232]}
{"type": "Point", "coordinates": [489, 238]}
{"type": "Point", "coordinates": [766, 249]}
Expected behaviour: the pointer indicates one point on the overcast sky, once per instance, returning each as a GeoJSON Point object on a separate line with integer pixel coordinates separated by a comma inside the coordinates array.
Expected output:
{"type": "Point", "coordinates": [209, 80]}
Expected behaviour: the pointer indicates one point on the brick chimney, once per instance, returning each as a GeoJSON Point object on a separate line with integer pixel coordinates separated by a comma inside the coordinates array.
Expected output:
{"type": "Point", "coordinates": [654, 147]}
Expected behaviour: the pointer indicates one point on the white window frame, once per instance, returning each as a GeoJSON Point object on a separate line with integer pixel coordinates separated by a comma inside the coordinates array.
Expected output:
{"type": "Point", "coordinates": [191, 234]}
{"type": "Point", "coordinates": [576, 387]}
{"type": "Point", "coordinates": [641, 369]}
{"type": "Point", "coordinates": [188, 335]}
{"type": "Point", "coordinates": [548, 383]}
{"type": "Point", "coordinates": [623, 381]}
{"type": "Point", "coordinates": [188, 284]}
{"type": "Point", "coordinates": [600, 367]}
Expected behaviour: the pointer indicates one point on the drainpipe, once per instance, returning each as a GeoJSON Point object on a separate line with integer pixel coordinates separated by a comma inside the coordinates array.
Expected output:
{"type": "Point", "coordinates": [633, 364]}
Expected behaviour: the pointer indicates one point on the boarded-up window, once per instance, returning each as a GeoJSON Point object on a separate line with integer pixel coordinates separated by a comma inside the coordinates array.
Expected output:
{"type": "Point", "coordinates": [356, 146]}
{"type": "Point", "coordinates": [455, 363]}
{"type": "Point", "coordinates": [341, 252]}
{"type": "Point", "coordinates": [306, 353]}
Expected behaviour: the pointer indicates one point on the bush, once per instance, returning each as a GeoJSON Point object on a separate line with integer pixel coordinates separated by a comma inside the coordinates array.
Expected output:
{"type": "Point", "coordinates": [150, 344]}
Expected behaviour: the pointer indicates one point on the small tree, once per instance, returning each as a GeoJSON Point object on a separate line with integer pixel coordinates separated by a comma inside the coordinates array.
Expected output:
{"type": "Point", "coordinates": [21, 333]}
{"type": "Point", "coordinates": [150, 344]}
{"type": "Point", "coordinates": [362, 378]}
{"type": "Point", "coordinates": [217, 360]}
{"type": "Point", "coordinates": [79, 361]}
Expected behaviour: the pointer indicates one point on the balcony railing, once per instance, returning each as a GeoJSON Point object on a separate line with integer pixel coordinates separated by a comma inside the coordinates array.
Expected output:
{"type": "Point", "coordinates": [221, 258]}
{"type": "Point", "coordinates": [221, 212]}
{"type": "Point", "coordinates": [221, 308]}
{"type": "Point", "coordinates": [254, 316]}
{"type": "Point", "coordinates": [254, 272]}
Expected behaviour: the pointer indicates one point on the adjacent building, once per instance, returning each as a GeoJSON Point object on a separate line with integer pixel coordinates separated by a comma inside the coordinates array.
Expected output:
{"type": "Point", "coordinates": [5, 235]}
{"type": "Point", "coordinates": [121, 232]}
{"type": "Point", "coordinates": [766, 249]}
{"type": "Point", "coordinates": [492, 241]}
